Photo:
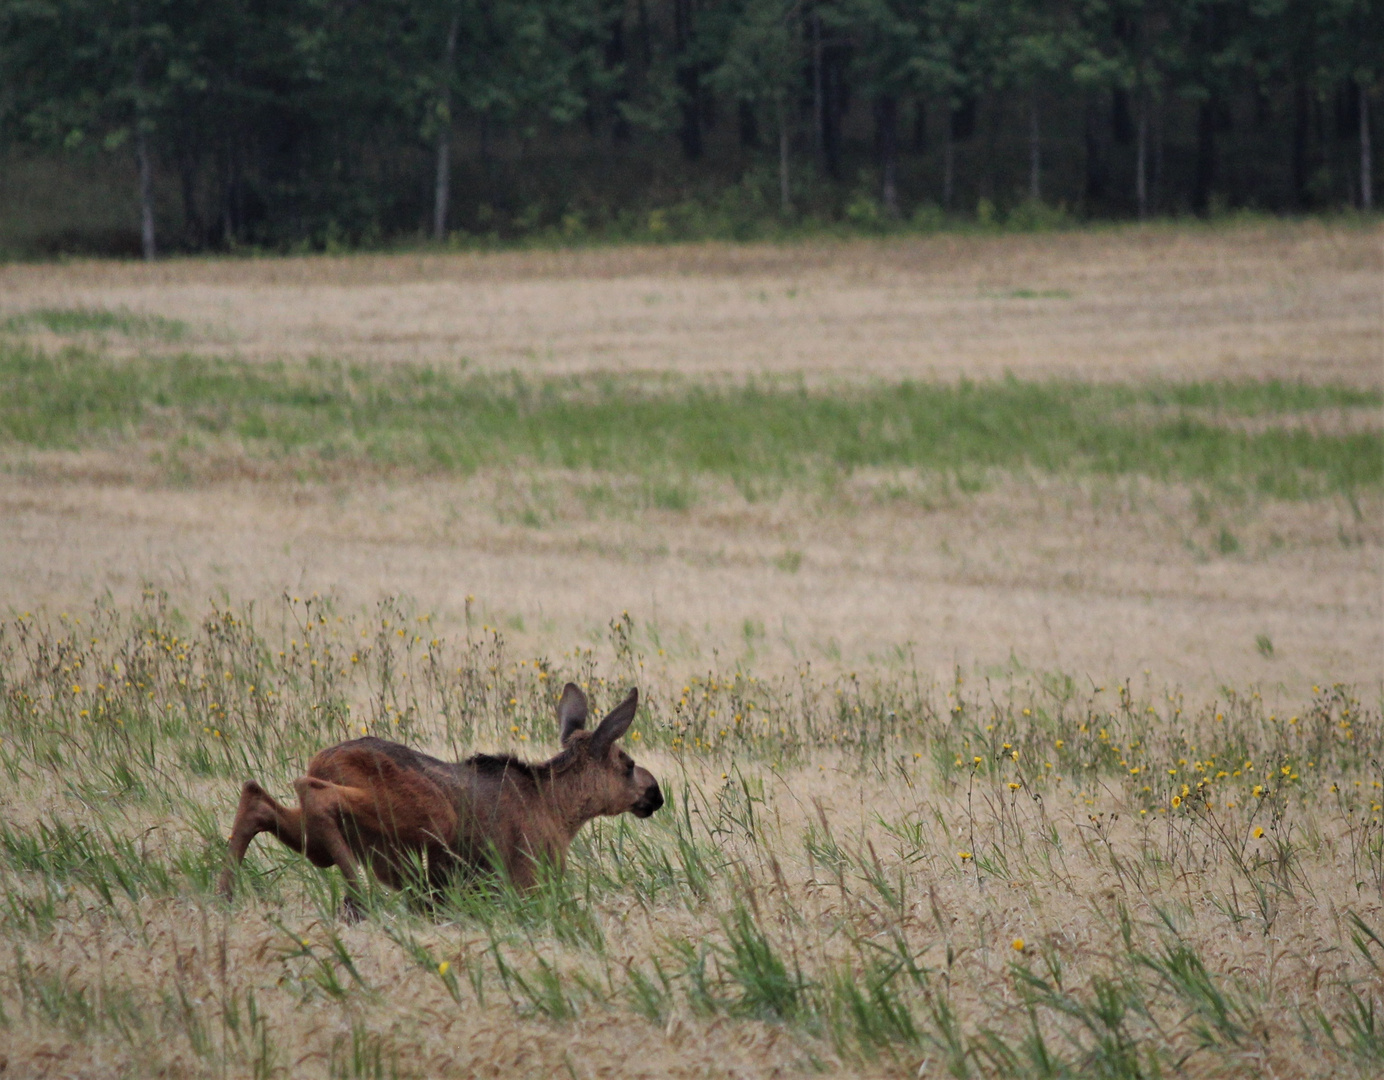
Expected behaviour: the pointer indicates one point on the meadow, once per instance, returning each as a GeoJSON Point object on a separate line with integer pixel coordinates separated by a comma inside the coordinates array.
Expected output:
{"type": "Point", "coordinates": [1022, 725]}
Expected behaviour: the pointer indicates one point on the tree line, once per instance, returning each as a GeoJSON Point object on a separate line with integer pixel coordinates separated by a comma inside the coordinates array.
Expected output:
{"type": "Point", "coordinates": [279, 122]}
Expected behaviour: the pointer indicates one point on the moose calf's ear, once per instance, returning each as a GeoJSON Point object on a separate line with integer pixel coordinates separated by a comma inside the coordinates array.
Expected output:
{"type": "Point", "coordinates": [571, 711]}
{"type": "Point", "coordinates": [615, 724]}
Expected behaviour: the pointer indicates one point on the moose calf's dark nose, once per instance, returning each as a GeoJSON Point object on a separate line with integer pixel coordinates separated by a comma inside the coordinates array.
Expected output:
{"type": "Point", "coordinates": [651, 801]}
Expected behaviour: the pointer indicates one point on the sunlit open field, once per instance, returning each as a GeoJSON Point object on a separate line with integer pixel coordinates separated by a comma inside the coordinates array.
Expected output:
{"type": "Point", "coordinates": [1008, 614]}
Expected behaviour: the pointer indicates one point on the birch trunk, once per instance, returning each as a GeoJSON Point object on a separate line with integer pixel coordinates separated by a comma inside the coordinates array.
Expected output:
{"type": "Point", "coordinates": [948, 158]}
{"type": "Point", "coordinates": [887, 135]}
{"type": "Point", "coordinates": [442, 186]}
{"type": "Point", "coordinates": [146, 193]}
{"type": "Point", "coordinates": [1366, 162]}
{"type": "Point", "coordinates": [1035, 151]}
{"type": "Point", "coordinates": [1141, 159]}
{"type": "Point", "coordinates": [785, 193]}
{"type": "Point", "coordinates": [819, 138]}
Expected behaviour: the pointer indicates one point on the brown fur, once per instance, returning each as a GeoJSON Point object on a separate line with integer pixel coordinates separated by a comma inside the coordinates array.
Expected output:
{"type": "Point", "coordinates": [394, 809]}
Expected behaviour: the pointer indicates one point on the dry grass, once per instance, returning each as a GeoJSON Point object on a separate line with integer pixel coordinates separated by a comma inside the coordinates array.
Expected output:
{"type": "Point", "coordinates": [803, 903]}
{"type": "Point", "coordinates": [888, 876]}
{"type": "Point", "coordinates": [1102, 578]}
{"type": "Point", "coordinates": [1267, 300]}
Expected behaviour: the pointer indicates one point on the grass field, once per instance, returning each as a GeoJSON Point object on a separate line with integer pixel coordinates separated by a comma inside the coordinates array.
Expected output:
{"type": "Point", "coordinates": [1011, 725]}
{"type": "Point", "coordinates": [316, 417]}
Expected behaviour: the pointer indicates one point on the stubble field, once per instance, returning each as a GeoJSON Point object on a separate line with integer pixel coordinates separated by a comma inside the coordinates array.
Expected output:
{"type": "Point", "coordinates": [1009, 614]}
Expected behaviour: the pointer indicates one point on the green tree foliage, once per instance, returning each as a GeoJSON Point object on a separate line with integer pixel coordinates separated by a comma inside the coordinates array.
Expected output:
{"type": "Point", "coordinates": [322, 122]}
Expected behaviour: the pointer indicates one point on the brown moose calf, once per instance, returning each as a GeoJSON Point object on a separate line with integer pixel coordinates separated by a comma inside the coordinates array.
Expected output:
{"type": "Point", "coordinates": [407, 815]}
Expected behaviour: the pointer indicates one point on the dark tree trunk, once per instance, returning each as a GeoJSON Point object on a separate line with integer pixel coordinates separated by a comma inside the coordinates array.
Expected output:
{"type": "Point", "coordinates": [1095, 162]}
{"type": "Point", "coordinates": [1121, 120]}
{"type": "Point", "coordinates": [690, 130]}
{"type": "Point", "coordinates": [646, 45]}
{"type": "Point", "coordinates": [487, 159]}
{"type": "Point", "coordinates": [831, 114]}
{"type": "Point", "coordinates": [992, 119]}
{"type": "Point", "coordinates": [194, 232]}
{"type": "Point", "coordinates": [887, 150]}
{"type": "Point", "coordinates": [616, 57]}
{"type": "Point", "coordinates": [963, 119]}
{"type": "Point", "coordinates": [1204, 179]}
{"type": "Point", "coordinates": [689, 79]}
{"type": "Point", "coordinates": [1301, 130]}
{"type": "Point", "coordinates": [748, 124]}
{"type": "Point", "coordinates": [920, 127]}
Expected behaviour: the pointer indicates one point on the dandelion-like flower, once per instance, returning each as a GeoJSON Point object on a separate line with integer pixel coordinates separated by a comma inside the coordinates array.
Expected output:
{"type": "Point", "coordinates": [1258, 831]}
{"type": "Point", "coordinates": [443, 968]}
{"type": "Point", "coordinates": [1017, 944]}
{"type": "Point", "coordinates": [964, 855]}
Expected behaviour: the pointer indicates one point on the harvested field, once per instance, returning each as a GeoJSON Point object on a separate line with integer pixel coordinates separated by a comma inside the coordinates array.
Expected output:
{"type": "Point", "coordinates": [1291, 301]}
{"type": "Point", "coordinates": [1009, 613]}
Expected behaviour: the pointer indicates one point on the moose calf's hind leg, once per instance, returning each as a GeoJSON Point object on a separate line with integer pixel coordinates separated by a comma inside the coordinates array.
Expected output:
{"type": "Point", "coordinates": [323, 806]}
{"type": "Point", "coordinates": [258, 813]}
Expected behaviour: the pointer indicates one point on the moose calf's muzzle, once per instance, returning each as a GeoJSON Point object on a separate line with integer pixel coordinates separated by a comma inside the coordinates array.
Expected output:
{"type": "Point", "coordinates": [649, 802]}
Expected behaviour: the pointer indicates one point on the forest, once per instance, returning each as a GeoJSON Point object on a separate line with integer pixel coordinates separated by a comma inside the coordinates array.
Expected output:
{"type": "Point", "coordinates": [329, 124]}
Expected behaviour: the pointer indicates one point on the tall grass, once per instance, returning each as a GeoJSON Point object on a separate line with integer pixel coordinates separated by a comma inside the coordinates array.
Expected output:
{"type": "Point", "coordinates": [323, 416]}
{"type": "Point", "coordinates": [869, 872]}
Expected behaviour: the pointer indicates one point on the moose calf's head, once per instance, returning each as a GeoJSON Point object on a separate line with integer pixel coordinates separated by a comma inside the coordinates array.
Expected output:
{"type": "Point", "coordinates": [611, 781]}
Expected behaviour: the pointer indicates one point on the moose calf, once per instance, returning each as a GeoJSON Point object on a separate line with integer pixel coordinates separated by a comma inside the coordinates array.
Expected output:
{"type": "Point", "coordinates": [409, 816]}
